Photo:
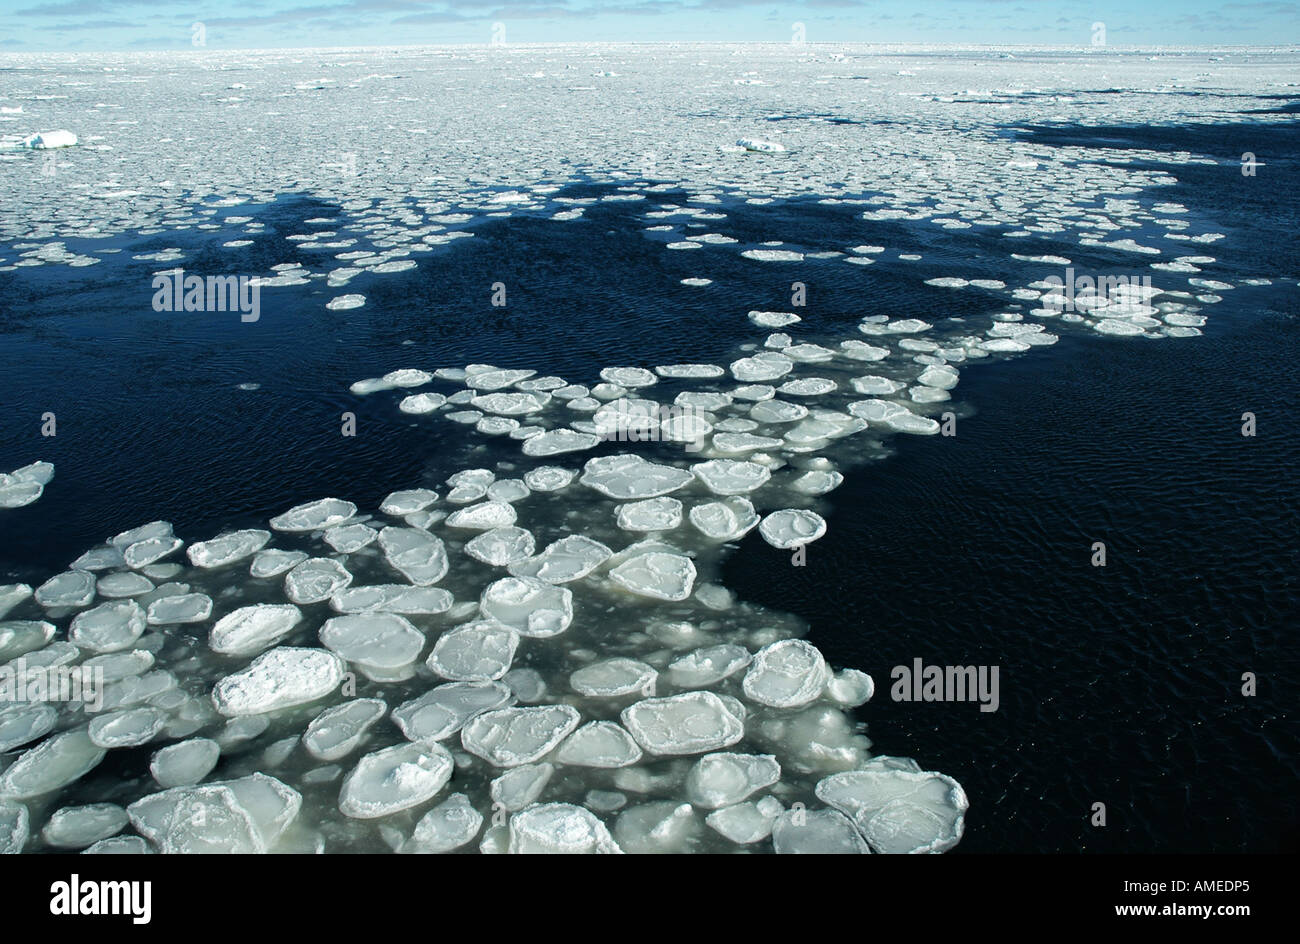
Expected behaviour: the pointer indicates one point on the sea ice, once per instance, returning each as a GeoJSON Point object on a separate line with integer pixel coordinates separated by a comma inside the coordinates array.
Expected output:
{"type": "Point", "coordinates": [316, 579]}
{"type": "Point", "coordinates": [520, 787]}
{"type": "Point", "coordinates": [722, 779]}
{"type": "Point", "coordinates": [350, 538]}
{"type": "Point", "coordinates": [273, 562]}
{"type": "Point", "coordinates": [690, 723]}
{"type": "Point", "coordinates": [45, 140]}
{"type": "Point", "coordinates": [252, 629]}
{"type": "Point", "coordinates": [508, 737]}
{"type": "Point", "coordinates": [442, 711]}
{"type": "Point", "coordinates": [816, 832]}
{"type": "Point", "coordinates": [184, 763]}
{"type": "Point", "coordinates": [70, 588]}
{"type": "Point", "coordinates": [548, 478]}
{"type": "Point", "coordinates": [484, 516]}
{"type": "Point", "coordinates": [451, 824]}
{"type": "Point", "coordinates": [656, 574]}
{"type": "Point", "coordinates": [787, 674]}
{"type": "Point", "coordinates": [75, 827]}
{"type": "Point", "coordinates": [51, 765]}
{"type": "Point", "coordinates": [555, 441]}
{"type": "Point", "coordinates": [391, 598]}
{"type": "Point", "coordinates": [280, 678]}
{"type": "Point", "coordinates": [108, 627]}
{"type": "Point", "coordinates": [727, 520]}
{"type": "Point", "coordinates": [659, 827]}
{"type": "Point", "coordinates": [746, 823]}
{"type": "Point", "coordinates": [599, 744]}
{"type": "Point", "coordinates": [377, 643]}
{"type": "Point", "coordinates": [121, 584]}
{"type": "Point", "coordinates": [129, 727]}
{"type": "Point", "coordinates": [708, 665]}
{"type": "Point", "coordinates": [613, 678]}
{"type": "Point", "coordinates": [531, 606]}
{"type": "Point", "coordinates": [899, 810]}
{"type": "Point", "coordinates": [24, 722]}
{"type": "Point", "coordinates": [336, 732]}
{"type": "Point", "coordinates": [501, 546]}
{"type": "Point", "coordinates": [731, 476]}
{"type": "Point", "coordinates": [417, 555]}
{"type": "Point", "coordinates": [395, 778]}
{"type": "Point", "coordinates": [474, 652]}
{"type": "Point", "coordinates": [559, 828]}
{"type": "Point", "coordinates": [248, 815]}
{"type": "Point", "coordinates": [227, 548]}
{"type": "Point", "coordinates": [761, 367]}
{"type": "Point", "coordinates": [792, 527]}
{"type": "Point", "coordinates": [315, 516]}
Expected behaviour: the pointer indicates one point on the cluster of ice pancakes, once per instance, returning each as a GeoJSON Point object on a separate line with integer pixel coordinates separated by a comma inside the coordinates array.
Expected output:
{"type": "Point", "coordinates": [534, 659]}
{"type": "Point", "coordinates": [23, 486]}
{"type": "Point", "coordinates": [438, 677]}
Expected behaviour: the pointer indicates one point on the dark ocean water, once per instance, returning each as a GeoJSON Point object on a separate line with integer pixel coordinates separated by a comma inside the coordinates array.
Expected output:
{"type": "Point", "coordinates": [1118, 685]}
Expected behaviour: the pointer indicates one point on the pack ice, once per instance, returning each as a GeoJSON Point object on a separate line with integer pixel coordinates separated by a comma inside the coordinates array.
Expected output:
{"type": "Point", "coordinates": [540, 657]}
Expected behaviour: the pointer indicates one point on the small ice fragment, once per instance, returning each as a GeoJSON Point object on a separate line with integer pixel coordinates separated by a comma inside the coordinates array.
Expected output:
{"type": "Point", "coordinates": [519, 787]}
{"type": "Point", "coordinates": [75, 827]}
{"type": "Point", "coordinates": [273, 562]}
{"type": "Point", "coordinates": [108, 627]}
{"type": "Point", "coordinates": [395, 778]}
{"type": "Point", "coordinates": [451, 824]}
{"type": "Point", "coordinates": [252, 629]}
{"type": "Point", "coordinates": [722, 779]}
{"type": "Point", "coordinates": [599, 744]}
{"type": "Point", "coordinates": [314, 516]}
{"type": "Point", "coordinates": [792, 527]}
{"type": "Point", "coordinates": [129, 727]}
{"type": "Point", "coordinates": [564, 560]}
{"type": "Point", "coordinates": [531, 606]}
{"type": "Point", "coordinates": [179, 608]}
{"type": "Point", "coordinates": [484, 516]}
{"type": "Point", "coordinates": [280, 678]}
{"type": "Point", "coordinates": [50, 765]}
{"type": "Point", "coordinates": [315, 580]}
{"type": "Point", "coordinates": [336, 732]}
{"type": "Point", "coordinates": [559, 828]}
{"type": "Point", "coordinates": [816, 832]}
{"type": "Point", "coordinates": [474, 652]}
{"type": "Point", "coordinates": [899, 810]}
{"type": "Point", "coordinates": [555, 441]}
{"type": "Point", "coordinates": [378, 642]}
{"type": "Point", "coordinates": [690, 723]}
{"type": "Point", "coordinates": [656, 574]}
{"type": "Point", "coordinates": [442, 711]}
{"type": "Point", "coordinates": [227, 548]}
{"type": "Point", "coordinates": [419, 556]}
{"type": "Point", "coordinates": [708, 665]}
{"type": "Point", "coordinates": [509, 737]}
{"type": "Point", "coordinates": [70, 588]}
{"type": "Point", "coordinates": [787, 674]}
{"type": "Point", "coordinates": [185, 763]}
{"type": "Point", "coordinates": [731, 476]}
{"type": "Point", "coordinates": [613, 678]}
{"type": "Point", "coordinates": [501, 546]}
{"type": "Point", "coordinates": [727, 520]}
{"type": "Point", "coordinates": [548, 478]}
{"type": "Point", "coordinates": [746, 823]}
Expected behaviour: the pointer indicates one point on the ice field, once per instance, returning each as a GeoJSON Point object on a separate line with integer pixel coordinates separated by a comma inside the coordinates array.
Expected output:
{"type": "Point", "coordinates": [535, 653]}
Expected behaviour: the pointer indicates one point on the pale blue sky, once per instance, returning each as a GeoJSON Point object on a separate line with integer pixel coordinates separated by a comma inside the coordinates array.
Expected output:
{"type": "Point", "coordinates": [241, 24]}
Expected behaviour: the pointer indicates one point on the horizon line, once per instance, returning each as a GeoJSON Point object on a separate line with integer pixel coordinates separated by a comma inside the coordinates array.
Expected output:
{"type": "Point", "coordinates": [1043, 47]}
